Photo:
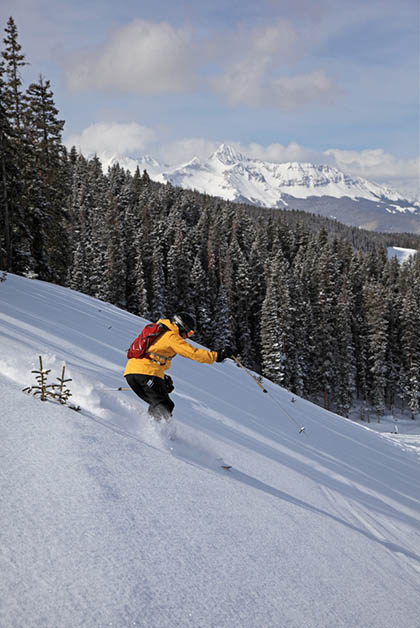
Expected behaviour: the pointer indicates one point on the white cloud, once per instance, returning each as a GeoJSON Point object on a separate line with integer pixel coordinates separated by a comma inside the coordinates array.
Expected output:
{"type": "Point", "coordinates": [278, 153]}
{"type": "Point", "coordinates": [140, 57]}
{"type": "Point", "coordinates": [148, 57]}
{"type": "Point", "coordinates": [376, 162]}
{"type": "Point", "coordinates": [249, 82]}
{"type": "Point", "coordinates": [277, 38]}
{"type": "Point", "coordinates": [382, 167]}
{"type": "Point", "coordinates": [256, 76]}
{"type": "Point", "coordinates": [181, 151]}
{"type": "Point", "coordinates": [111, 139]}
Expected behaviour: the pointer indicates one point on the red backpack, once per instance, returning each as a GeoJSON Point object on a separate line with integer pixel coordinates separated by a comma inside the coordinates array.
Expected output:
{"type": "Point", "coordinates": [141, 344]}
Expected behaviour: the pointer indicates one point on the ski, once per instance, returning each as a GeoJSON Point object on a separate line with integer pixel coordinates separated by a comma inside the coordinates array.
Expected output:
{"type": "Point", "coordinates": [226, 467]}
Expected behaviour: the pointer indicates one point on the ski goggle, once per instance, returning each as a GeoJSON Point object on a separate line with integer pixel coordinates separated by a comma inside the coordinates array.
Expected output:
{"type": "Point", "coordinates": [187, 334]}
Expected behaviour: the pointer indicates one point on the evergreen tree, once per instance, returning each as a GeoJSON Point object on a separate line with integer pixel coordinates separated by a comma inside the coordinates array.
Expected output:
{"type": "Point", "coordinates": [9, 180]}
{"type": "Point", "coordinates": [377, 334]}
{"type": "Point", "coordinates": [410, 346]}
{"type": "Point", "coordinates": [141, 305]}
{"type": "Point", "coordinates": [345, 356]}
{"type": "Point", "coordinates": [223, 321]}
{"type": "Point", "coordinates": [112, 287]}
{"type": "Point", "coordinates": [47, 198]}
{"type": "Point", "coordinates": [274, 326]}
{"type": "Point", "coordinates": [237, 278]}
{"type": "Point", "coordinates": [14, 60]}
{"type": "Point", "coordinates": [325, 316]}
{"type": "Point", "coordinates": [200, 303]}
{"type": "Point", "coordinates": [16, 255]}
{"type": "Point", "coordinates": [158, 285]}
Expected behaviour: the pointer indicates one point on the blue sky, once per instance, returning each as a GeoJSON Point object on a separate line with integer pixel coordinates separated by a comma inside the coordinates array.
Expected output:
{"type": "Point", "coordinates": [328, 81]}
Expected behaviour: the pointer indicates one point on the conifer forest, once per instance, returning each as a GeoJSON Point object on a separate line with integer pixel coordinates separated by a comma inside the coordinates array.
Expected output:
{"type": "Point", "coordinates": [311, 304]}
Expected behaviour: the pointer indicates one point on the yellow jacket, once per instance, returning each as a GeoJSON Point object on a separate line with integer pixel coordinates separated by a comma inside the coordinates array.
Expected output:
{"type": "Point", "coordinates": [166, 347]}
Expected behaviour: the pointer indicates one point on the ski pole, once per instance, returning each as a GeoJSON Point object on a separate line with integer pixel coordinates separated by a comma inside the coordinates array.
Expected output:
{"type": "Point", "coordinates": [239, 363]}
{"type": "Point", "coordinates": [120, 388]}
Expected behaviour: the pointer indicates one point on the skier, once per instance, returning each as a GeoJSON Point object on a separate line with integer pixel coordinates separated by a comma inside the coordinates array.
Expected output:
{"type": "Point", "coordinates": [146, 376]}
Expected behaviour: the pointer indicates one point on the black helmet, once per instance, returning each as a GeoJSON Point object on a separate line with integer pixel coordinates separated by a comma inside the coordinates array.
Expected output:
{"type": "Point", "coordinates": [185, 322]}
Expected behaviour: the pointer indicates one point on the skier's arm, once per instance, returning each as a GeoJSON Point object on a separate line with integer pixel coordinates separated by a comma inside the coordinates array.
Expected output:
{"type": "Point", "coordinates": [183, 348]}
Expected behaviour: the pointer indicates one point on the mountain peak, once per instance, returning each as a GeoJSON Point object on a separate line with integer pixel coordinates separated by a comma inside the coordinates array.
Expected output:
{"type": "Point", "coordinates": [227, 155]}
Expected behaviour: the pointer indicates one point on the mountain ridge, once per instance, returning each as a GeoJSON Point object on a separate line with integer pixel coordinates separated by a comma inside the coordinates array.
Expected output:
{"type": "Point", "coordinates": [320, 189]}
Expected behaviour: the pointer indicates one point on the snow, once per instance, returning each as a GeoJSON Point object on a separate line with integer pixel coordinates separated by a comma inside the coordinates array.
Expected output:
{"type": "Point", "coordinates": [400, 253]}
{"type": "Point", "coordinates": [108, 520]}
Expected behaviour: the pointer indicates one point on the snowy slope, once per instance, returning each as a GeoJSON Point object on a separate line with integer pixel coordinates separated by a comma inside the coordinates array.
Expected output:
{"type": "Point", "coordinates": [105, 521]}
{"type": "Point", "coordinates": [400, 253]}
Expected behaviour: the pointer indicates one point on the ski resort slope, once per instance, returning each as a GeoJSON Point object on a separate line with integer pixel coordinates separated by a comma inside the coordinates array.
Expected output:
{"type": "Point", "coordinates": [105, 521]}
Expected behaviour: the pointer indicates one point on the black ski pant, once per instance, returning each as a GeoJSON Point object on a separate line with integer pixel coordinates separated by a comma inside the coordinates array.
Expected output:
{"type": "Point", "coordinates": [153, 391]}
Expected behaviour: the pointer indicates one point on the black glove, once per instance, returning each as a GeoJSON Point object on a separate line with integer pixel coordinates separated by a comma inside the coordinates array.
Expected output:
{"type": "Point", "coordinates": [168, 384]}
{"type": "Point", "coordinates": [222, 354]}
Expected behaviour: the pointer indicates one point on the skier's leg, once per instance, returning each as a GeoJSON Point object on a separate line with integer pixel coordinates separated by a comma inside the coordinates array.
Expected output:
{"type": "Point", "coordinates": [161, 405]}
{"type": "Point", "coordinates": [138, 384]}
{"type": "Point", "coordinates": [152, 390]}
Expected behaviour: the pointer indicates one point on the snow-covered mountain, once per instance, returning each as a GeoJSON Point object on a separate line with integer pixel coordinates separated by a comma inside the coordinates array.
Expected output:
{"type": "Point", "coordinates": [144, 162]}
{"type": "Point", "coordinates": [106, 522]}
{"type": "Point", "coordinates": [316, 188]}
{"type": "Point", "coordinates": [235, 177]}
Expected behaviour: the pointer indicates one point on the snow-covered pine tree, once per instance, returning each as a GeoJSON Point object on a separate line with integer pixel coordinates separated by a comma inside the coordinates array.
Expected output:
{"type": "Point", "coordinates": [158, 296]}
{"type": "Point", "coordinates": [47, 165]}
{"type": "Point", "coordinates": [299, 347]}
{"type": "Point", "coordinates": [377, 334]}
{"type": "Point", "coordinates": [14, 60]}
{"type": "Point", "coordinates": [140, 300]}
{"type": "Point", "coordinates": [14, 174]}
{"type": "Point", "coordinates": [326, 353]}
{"type": "Point", "coordinates": [223, 323]}
{"type": "Point", "coordinates": [9, 180]}
{"type": "Point", "coordinates": [410, 346]}
{"type": "Point", "coordinates": [257, 255]}
{"type": "Point", "coordinates": [345, 356]}
{"type": "Point", "coordinates": [237, 274]}
{"type": "Point", "coordinates": [112, 287]}
{"type": "Point", "coordinates": [393, 306]}
{"type": "Point", "coordinates": [199, 294]}
{"type": "Point", "coordinates": [274, 326]}
{"type": "Point", "coordinates": [178, 266]}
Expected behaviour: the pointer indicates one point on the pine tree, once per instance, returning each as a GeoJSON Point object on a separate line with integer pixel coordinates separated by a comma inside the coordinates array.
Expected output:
{"type": "Point", "coordinates": [141, 306]}
{"type": "Point", "coordinates": [257, 256]}
{"type": "Point", "coordinates": [223, 321]}
{"type": "Point", "coordinates": [14, 61]}
{"type": "Point", "coordinates": [9, 180]}
{"type": "Point", "coordinates": [200, 303]}
{"type": "Point", "coordinates": [14, 178]}
{"type": "Point", "coordinates": [325, 316]}
{"type": "Point", "coordinates": [47, 166]}
{"type": "Point", "coordinates": [237, 277]}
{"type": "Point", "coordinates": [410, 345]}
{"type": "Point", "coordinates": [345, 357]}
{"type": "Point", "coordinates": [377, 333]}
{"type": "Point", "coordinates": [90, 253]}
{"type": "Point", "coordinates": [112, 287]}
{"type": "Point", "coordinates": [274, 326]}
{"type": "Point", "coordinates": [298, 342]}
{"type": "Point", "coordinates": [158, 286]}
